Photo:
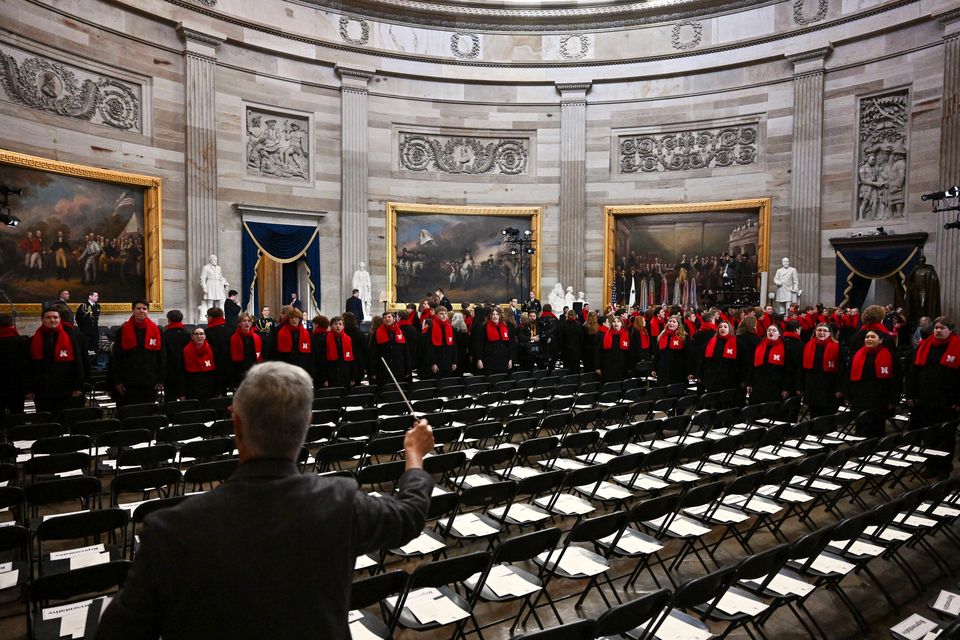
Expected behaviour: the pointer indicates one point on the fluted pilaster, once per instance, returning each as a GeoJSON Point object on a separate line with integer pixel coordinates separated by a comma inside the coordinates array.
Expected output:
{"type": "Point", "coordinates": [573, 182]}
{"type": "Point", "coordinates": [354, 217]}
{"type": "Point", "coordinates": [948, 240]}
{"type": "Point", "coordinates": [202, 232]}
{"type": "Point", "coordinates": [807, 165]}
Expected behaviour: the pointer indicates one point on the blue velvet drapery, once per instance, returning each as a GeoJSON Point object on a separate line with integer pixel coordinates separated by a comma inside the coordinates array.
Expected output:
{"type": "Point", "coordinates": [284, 243]}
{"type": "Point", "coordinates": [857, 266]}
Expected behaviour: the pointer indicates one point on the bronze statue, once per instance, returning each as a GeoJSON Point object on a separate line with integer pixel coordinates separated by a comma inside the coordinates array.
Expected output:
{"type": "Point", "coordinates": [923, 291]}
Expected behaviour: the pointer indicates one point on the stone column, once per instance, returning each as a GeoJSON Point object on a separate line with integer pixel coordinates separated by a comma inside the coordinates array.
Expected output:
{"type": "Point", "coordinates": [354, 218]}
{"type": "Point", "coordinates": [807, 168]}
{"type": "Point", "coordinates": [573, 183]}
{"type": "Point", "coordinates": [948, 240]}
{"type": "Point", "coordinates": [200, 161]}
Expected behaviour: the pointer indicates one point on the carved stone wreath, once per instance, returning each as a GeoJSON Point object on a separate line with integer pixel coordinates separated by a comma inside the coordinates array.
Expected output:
{"type": "Point", "coordinates": [800, 18]}
{"type": "Point", "coordinates": [345, 30]}
{"type": "Point", "coordinates": [460, 53]}
{"type": "Point", "coordinates": [460, 155]}
{"type": "Point", "coordinates": [209, 3]}
{"type": "Point", "coordinates": [46, 85]}
{"type": "Point", "coordinates": [574, 55]}
{"type": "Point", "coordinates": [690, 44]}
{"type": "Point", "coordinates": [686, 150]}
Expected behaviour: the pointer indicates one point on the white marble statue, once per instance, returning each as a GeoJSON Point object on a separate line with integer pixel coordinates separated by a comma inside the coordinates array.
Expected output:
{"type": "Point", "coordinates": [213, 285]}
{"type": "Point", "coordinates": [568, 298]}
{"type": "Point", "coordinates": [361, 282]}
{"type": "Point", "coordinates": [556, 298]}
{"type": "Point", "coordinates": [787, 281]}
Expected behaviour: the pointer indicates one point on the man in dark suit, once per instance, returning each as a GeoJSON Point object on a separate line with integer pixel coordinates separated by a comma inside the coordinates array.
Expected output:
{"type": "Point", "coordinates": [355, 305]}
{"type": "Point", "coordinates": [231, 310]}
{"type": "Point", "coordinates": [271, 552]}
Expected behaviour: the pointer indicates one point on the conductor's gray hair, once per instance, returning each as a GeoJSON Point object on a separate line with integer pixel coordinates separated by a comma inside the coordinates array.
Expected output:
{"type": "Point", "coordinates": [274, 403]}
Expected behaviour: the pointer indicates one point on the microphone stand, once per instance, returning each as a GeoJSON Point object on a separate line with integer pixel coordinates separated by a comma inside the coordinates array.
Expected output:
{"type": "Point", "coordinates": [13, 307]}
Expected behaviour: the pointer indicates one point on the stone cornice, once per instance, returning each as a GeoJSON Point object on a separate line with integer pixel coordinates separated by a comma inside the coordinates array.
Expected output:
{"type": "Point", "coordinates": [192, 34]}
{"type": "Point", "coordinates": [822, 52]}
{"type": "Point", "coordinates": [246, 210]}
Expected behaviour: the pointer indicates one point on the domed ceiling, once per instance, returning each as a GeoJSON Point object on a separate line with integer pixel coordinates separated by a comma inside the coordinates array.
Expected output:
{"type": "Point", "coordinates": [532, 15]}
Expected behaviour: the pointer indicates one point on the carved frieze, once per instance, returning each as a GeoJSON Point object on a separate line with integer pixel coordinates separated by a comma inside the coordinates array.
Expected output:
{"type": "Point", "coordinates": [465, 45]}
{"type": "Point", "coordinates": [800, 15]}
{"type": "Point", "coordinates": [463, 155]}
{"type": "Point", "coordinates": [686, 150]}
{"type": "Point", "coordinates": [41, 83]}
{"type": "Point", "coordinates": [686, 35]}
{"type": "Point", "coordinates": [882, 156]}
{"type": "Point", "coordinates": [349, 30]}
{"type": "Point", "coordinates": [277, 145]}
{"type": "Point", "coordinates": [574, 46]}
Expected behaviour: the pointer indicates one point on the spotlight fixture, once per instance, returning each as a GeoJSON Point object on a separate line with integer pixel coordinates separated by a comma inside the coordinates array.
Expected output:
{"type": "Point", "coordinates": [510, 231]}
{"type": "Point", "coordinates": [952, 192]}
{"type": "Point", "coordinates": [6, 217]}
{"type": "Point", "coordinates": [881, 231]}
{"type": "Point", "coordinates": [9, 220]}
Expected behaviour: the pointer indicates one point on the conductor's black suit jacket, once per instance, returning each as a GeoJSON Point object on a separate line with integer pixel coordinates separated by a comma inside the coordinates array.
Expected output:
{"type": "Point", "coordinates": [268, 554]}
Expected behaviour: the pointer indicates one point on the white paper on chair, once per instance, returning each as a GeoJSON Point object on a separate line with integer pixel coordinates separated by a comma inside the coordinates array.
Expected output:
{"type": "Point", "coordinates": [359, 632]}
{"type": "Point", "coordinates": [734, 604]}
{"type": "Point", "coordinates": [915, 627]}
{"type": "Point", "coordinates": [914, 521]}
{"type": "Point", "coordinates": [609, 491]}
{"type": "Point", "coordinates": [888, 533]}
{"type": "Point", "coordinates": [785, 585]}
{"type": "Point", "coordinates": [826, 564]}
{"type": "Point", "coordinates": [521, 473]}
{"type": "Point", "coordinates": [8, 578]}
{"type": "Point", "coordinates": [567, 504]}
{"type": "Point", "coordinates": [6, 566]}
{"type": "Point", "coordinates": [632, 543]}
{"type": "Point", "coordinates": [858, 547]}
{"type": "Point", "coordinates": [521, 512]}
{"type": "Point", "coordinates": [422, 544]}
{"type": "Point", "coordinates": [576, 561]}
{"type": "Point", "coordinates": [363, 562]}
{"type": "Point", "coordinates": [54, 613]}
{"type": "Point", "coordinates": [504, 582]}
{"type": "Point", "coordinates": [477, 480]}
{"type": "Point", "coordinates": [941, 510]}
{"type": "Point", "coordinates": [89, 560]}
{"type": "Point", "coordinates": [676, 629]}
{"type": "Point", "coordinates": [79, 551]}
{"type": "Point", "coordinates": [429, 605]}
{"type": "Point", "coordinates": [948, 602]}
{"type": "Point", "coordinates": [565, 464]}
{"type": "Point", "coordinates": [469, 524]}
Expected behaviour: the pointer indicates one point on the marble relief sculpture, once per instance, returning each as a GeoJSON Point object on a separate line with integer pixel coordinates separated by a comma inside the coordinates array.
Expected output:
{"type": "Point", "coordinates": [882, 157]}
{"type": "Point", "coordinates": [277, 145]}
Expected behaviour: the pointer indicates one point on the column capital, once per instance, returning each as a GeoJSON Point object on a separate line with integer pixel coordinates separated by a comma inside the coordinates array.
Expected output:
{"type": "Point", "coordinates": [354, 78]}
{"type": "Point", "coordinates": [809, 62]}
{"type": "Point", "coordinates": [200, 40]}
{"type": "Point", "coordinates": [951, 23]}
{"type": "Point", "coordinates": [573, 92]}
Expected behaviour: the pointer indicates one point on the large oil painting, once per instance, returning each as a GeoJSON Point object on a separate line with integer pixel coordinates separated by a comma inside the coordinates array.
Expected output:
{"type": "Point", "coordinates": [691, 255]}
{"type": "Point", "coordinates": [81, 228]}
{"type": "Point", "coordinates": [461, 250]}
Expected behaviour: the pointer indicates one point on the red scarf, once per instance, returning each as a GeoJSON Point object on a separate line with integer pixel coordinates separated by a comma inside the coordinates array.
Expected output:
{"type": "Point", "coordinates": [285, 339]}
{"type": "Point", "coordinates": [215, 322]}
{"type": "Point", "coordinates": [547, 314]}
{"type": "Point", "coordinates": [62, 348]}
{"type": "Point", "coordinates": [950, 358]}
{"type": "Point", "coordinates": [347, 343]}
{"type": "Point", "coordinates": [644, 339]}
{"type": "Point", "coordinates": [791, 334]}
{"type": "Point", "coordinates": [708, 326]}
{"type": "Point", "coordinates": [497, 331]}
{"type": "Point", "coordinates": [426, 313]}
{"type": "Point", "coordinates": [128, 337]}
{"type": "Point", "coordinates": [468, 320]}
{"type": "Point", "coordinates": [831, 354]}
{"type": "Point", "coordinates": [656, 325]}
{"type": "Point", "coordinates": [236, 345]}
{"type": "Point", "coordinates": [883, 365]}
{"type": "Point", "coordinates": [622, 338]}
{"type": "Point", "coordinates": [875, 326]}
{"type": "Point", "coordinates": [198, 359]}
{"type": "Point", "coordinates": [669, 340]}
{"type": "Point", "coordinates": [441, 333]}
{"type": "Point", "coordinates": [729, 349]}
{"type": "Point", "coordinates": [406, 321]}
{"type": "Point", "coordinates": [174, 325]}
{"type": "Point", "coordinates": [584, 312]}
{"type": "Point", "coordinates": [691, 327]}
{"type": "Point", "coordinates": [318, 329]}
{"type": "Point", "coordinates": [8, 332]}
{"type": "Point", "coordinates": [775, 356]}
{"type": "Point", "coordinates": [383, 334]}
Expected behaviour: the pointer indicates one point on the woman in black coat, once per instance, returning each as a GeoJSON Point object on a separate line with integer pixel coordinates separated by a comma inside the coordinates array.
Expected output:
{"type": "Point", "coordinates": [54, 375]}
{"type": "Point", "coordinates": [439, 346]}
{"type": "Point", "coordinates": [614, 354]}
{"type": "Point", "coordinates": [821, 372]}
{"type": "Point", "coordinates": [774, 374]}
{"type": "Point", "coordinates": [495, 350]}
{"type": "Point", "coordinates": [721, 365]}
{"type": "Point", "coordinates": [389, 343]}
{"type": "Point", "coordinates": [201, 373]}
{"type": "Point", "coordinates": [340, 359]}
{"type": "Point", "coordinates": [290, 342]}
{"type": "Point", "coordinates": [590, 333]}
{"type": "Point", "coordinates": [571, 342]}
{"type": "Point", "coordinates": [246, 349]}
{"type": "Point", "coordinates": [641, 341]}
{"type": "Point", "coordinates": [873, 384]}
{"type": "Point", "coordinates": [671, 356]}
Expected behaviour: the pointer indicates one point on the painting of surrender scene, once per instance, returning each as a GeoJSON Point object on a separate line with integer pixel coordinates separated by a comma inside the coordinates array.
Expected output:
{"type": "Point", "coordinates": [460, 250]}
{"type": "Point", "coordinates": [77, 233]}
{"type": "Point", "coordinates": [692, 258]}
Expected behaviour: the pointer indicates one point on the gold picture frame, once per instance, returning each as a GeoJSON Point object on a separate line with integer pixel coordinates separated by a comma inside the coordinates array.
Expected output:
{"type": "Point", "coordinates": [140, 195]}
{"type": "Point", "coordinates": [612, 213]}
{"type": "Point", "coordinates": [498, 215]}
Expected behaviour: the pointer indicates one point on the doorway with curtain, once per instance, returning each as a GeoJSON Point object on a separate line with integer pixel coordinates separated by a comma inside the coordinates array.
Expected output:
{"type": "Point", "coordinates": [874, 269]}
{"type": "Point", "coordinates": [279, 259]}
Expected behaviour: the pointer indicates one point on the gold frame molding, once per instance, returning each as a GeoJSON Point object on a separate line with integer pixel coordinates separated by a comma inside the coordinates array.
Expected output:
{"type": "Point", "coordinates": [611, 213]}
{"type": "Point", "coordinates": [397, 208]}
{"type": "Point", "coordinates": [152, 222]}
